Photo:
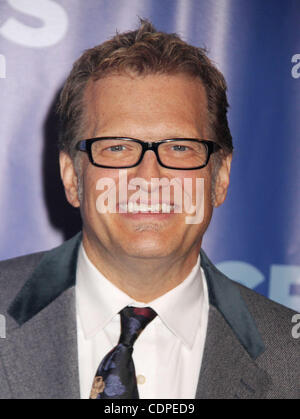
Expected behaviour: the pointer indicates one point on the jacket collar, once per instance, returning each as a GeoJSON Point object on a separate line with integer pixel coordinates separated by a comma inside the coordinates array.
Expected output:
{"type": "Point", "coordinates": [224, 295]}
{"type": "Point", "coordinates": [56, 273]}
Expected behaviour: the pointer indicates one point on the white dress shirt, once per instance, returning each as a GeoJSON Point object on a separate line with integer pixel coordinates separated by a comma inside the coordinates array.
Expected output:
{"type": "Point", "coordinates": [168, 353]}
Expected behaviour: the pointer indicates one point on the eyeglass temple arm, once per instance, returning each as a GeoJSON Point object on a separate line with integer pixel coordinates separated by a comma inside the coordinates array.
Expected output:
{"type": "Point", "coordinates": [81, 145]}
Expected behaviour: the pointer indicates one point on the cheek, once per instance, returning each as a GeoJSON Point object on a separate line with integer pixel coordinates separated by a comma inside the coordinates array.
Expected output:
{"type": "Point", "coordinates": [95, 182]}
{"type": "Point", "coordinates": [197, 184]}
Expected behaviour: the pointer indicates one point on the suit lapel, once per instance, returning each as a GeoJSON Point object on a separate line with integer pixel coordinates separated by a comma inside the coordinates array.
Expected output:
{"type": "Point", "coordinates": [228, 372]}
{"type": "Point", "coordinates": [40, 352]}
{"type": "Point", "coordinates": [233, 344]}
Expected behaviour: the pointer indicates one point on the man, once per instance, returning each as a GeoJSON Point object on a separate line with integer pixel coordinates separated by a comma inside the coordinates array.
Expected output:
{"type": "Point", "coordinates": [132, 307]}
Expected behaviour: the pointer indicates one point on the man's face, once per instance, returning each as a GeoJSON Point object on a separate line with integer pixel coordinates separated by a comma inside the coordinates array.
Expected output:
{"type": "Point", "coordinates": [149, 108]}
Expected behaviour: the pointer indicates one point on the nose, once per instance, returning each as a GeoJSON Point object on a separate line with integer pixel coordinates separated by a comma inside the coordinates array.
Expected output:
{"type": "Point", "coordinates": [149, 166]}
{"type": "Point", "coordinates": [148, 169]}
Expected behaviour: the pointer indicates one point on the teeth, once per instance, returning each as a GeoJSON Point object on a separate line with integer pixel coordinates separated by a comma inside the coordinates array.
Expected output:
{"type": "Point", "coordinates": [167, 208]}
{"type": "Point", "coordinates": [133, 207]}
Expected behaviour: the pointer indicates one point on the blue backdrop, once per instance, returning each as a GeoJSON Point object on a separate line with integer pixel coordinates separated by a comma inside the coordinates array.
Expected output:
{"type": "Point", "coordinates": [254, 237]}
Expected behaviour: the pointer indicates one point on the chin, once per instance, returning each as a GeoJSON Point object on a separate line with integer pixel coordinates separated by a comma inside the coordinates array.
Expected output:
{"type": "Point", "coordinates": [147, 248]}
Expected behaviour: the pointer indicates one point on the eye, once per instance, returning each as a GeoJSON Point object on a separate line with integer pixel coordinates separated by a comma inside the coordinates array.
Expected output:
{"type": "Point", "coordinates": [179, 147]}
{"type": "Point", "coordinates": [116, 148]}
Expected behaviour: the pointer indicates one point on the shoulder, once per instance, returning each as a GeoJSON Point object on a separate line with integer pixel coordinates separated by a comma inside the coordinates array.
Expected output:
{"type": "Point", "coordinates": [14, 273]}
{"type": "Point", "coordinates": [19, 263]}
{"type": "Point", "coordinates": [281, 356]}
{"type": "Point", "coordinates": [270, 316]}
{"type": "Point", "coordinates": [259, 320]}
{"type": "Point", "coordinates": [55, 267]}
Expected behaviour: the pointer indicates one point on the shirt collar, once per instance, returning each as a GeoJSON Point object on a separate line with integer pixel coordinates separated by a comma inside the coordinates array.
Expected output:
{"type": "Point", "coordinates": [181, 308]}
{"type": "Point", "coordinates": [99, 301]}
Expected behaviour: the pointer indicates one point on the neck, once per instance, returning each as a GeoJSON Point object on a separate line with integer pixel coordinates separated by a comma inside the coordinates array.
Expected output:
{"type": "Point", "coordinates": [143, 279]}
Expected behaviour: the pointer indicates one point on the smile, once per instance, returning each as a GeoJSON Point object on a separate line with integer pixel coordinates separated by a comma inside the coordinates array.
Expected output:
{"type": "Point", "coordinates": [134, 208]}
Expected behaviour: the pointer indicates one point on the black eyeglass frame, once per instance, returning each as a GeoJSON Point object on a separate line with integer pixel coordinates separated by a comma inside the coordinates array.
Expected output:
{"type": "Point", "coordinates": [86, 146]}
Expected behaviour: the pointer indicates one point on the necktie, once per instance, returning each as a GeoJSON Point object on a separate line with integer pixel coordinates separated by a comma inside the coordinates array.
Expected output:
{"type": "Point", "coordinates": [115, 377]}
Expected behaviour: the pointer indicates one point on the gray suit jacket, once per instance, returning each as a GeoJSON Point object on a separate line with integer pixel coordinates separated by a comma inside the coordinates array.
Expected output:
{"type": "Point", "coordinates": [249, 351]}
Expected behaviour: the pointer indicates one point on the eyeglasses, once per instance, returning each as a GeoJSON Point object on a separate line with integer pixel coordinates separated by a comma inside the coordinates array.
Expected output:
{"type": "Point", "coordinates": [124, 153]}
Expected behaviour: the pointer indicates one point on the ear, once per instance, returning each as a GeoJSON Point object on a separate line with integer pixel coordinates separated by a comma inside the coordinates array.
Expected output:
{"type": "Point", "coordinates": [69, 178]}
{"type": "Point", "coordinates": [222, 180]}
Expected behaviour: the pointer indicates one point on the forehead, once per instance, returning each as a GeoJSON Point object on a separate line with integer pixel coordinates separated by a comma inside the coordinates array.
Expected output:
{"type": "Point", "coordinates": [160, 105]}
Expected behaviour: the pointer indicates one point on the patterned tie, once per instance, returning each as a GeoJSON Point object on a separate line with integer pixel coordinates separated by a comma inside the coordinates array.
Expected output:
{"type": "Point", "coordinates": [115, 377]}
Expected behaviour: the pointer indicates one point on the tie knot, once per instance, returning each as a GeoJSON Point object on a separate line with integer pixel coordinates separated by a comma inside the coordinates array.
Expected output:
{"type": "Point", "coordinates": [133, 322]}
